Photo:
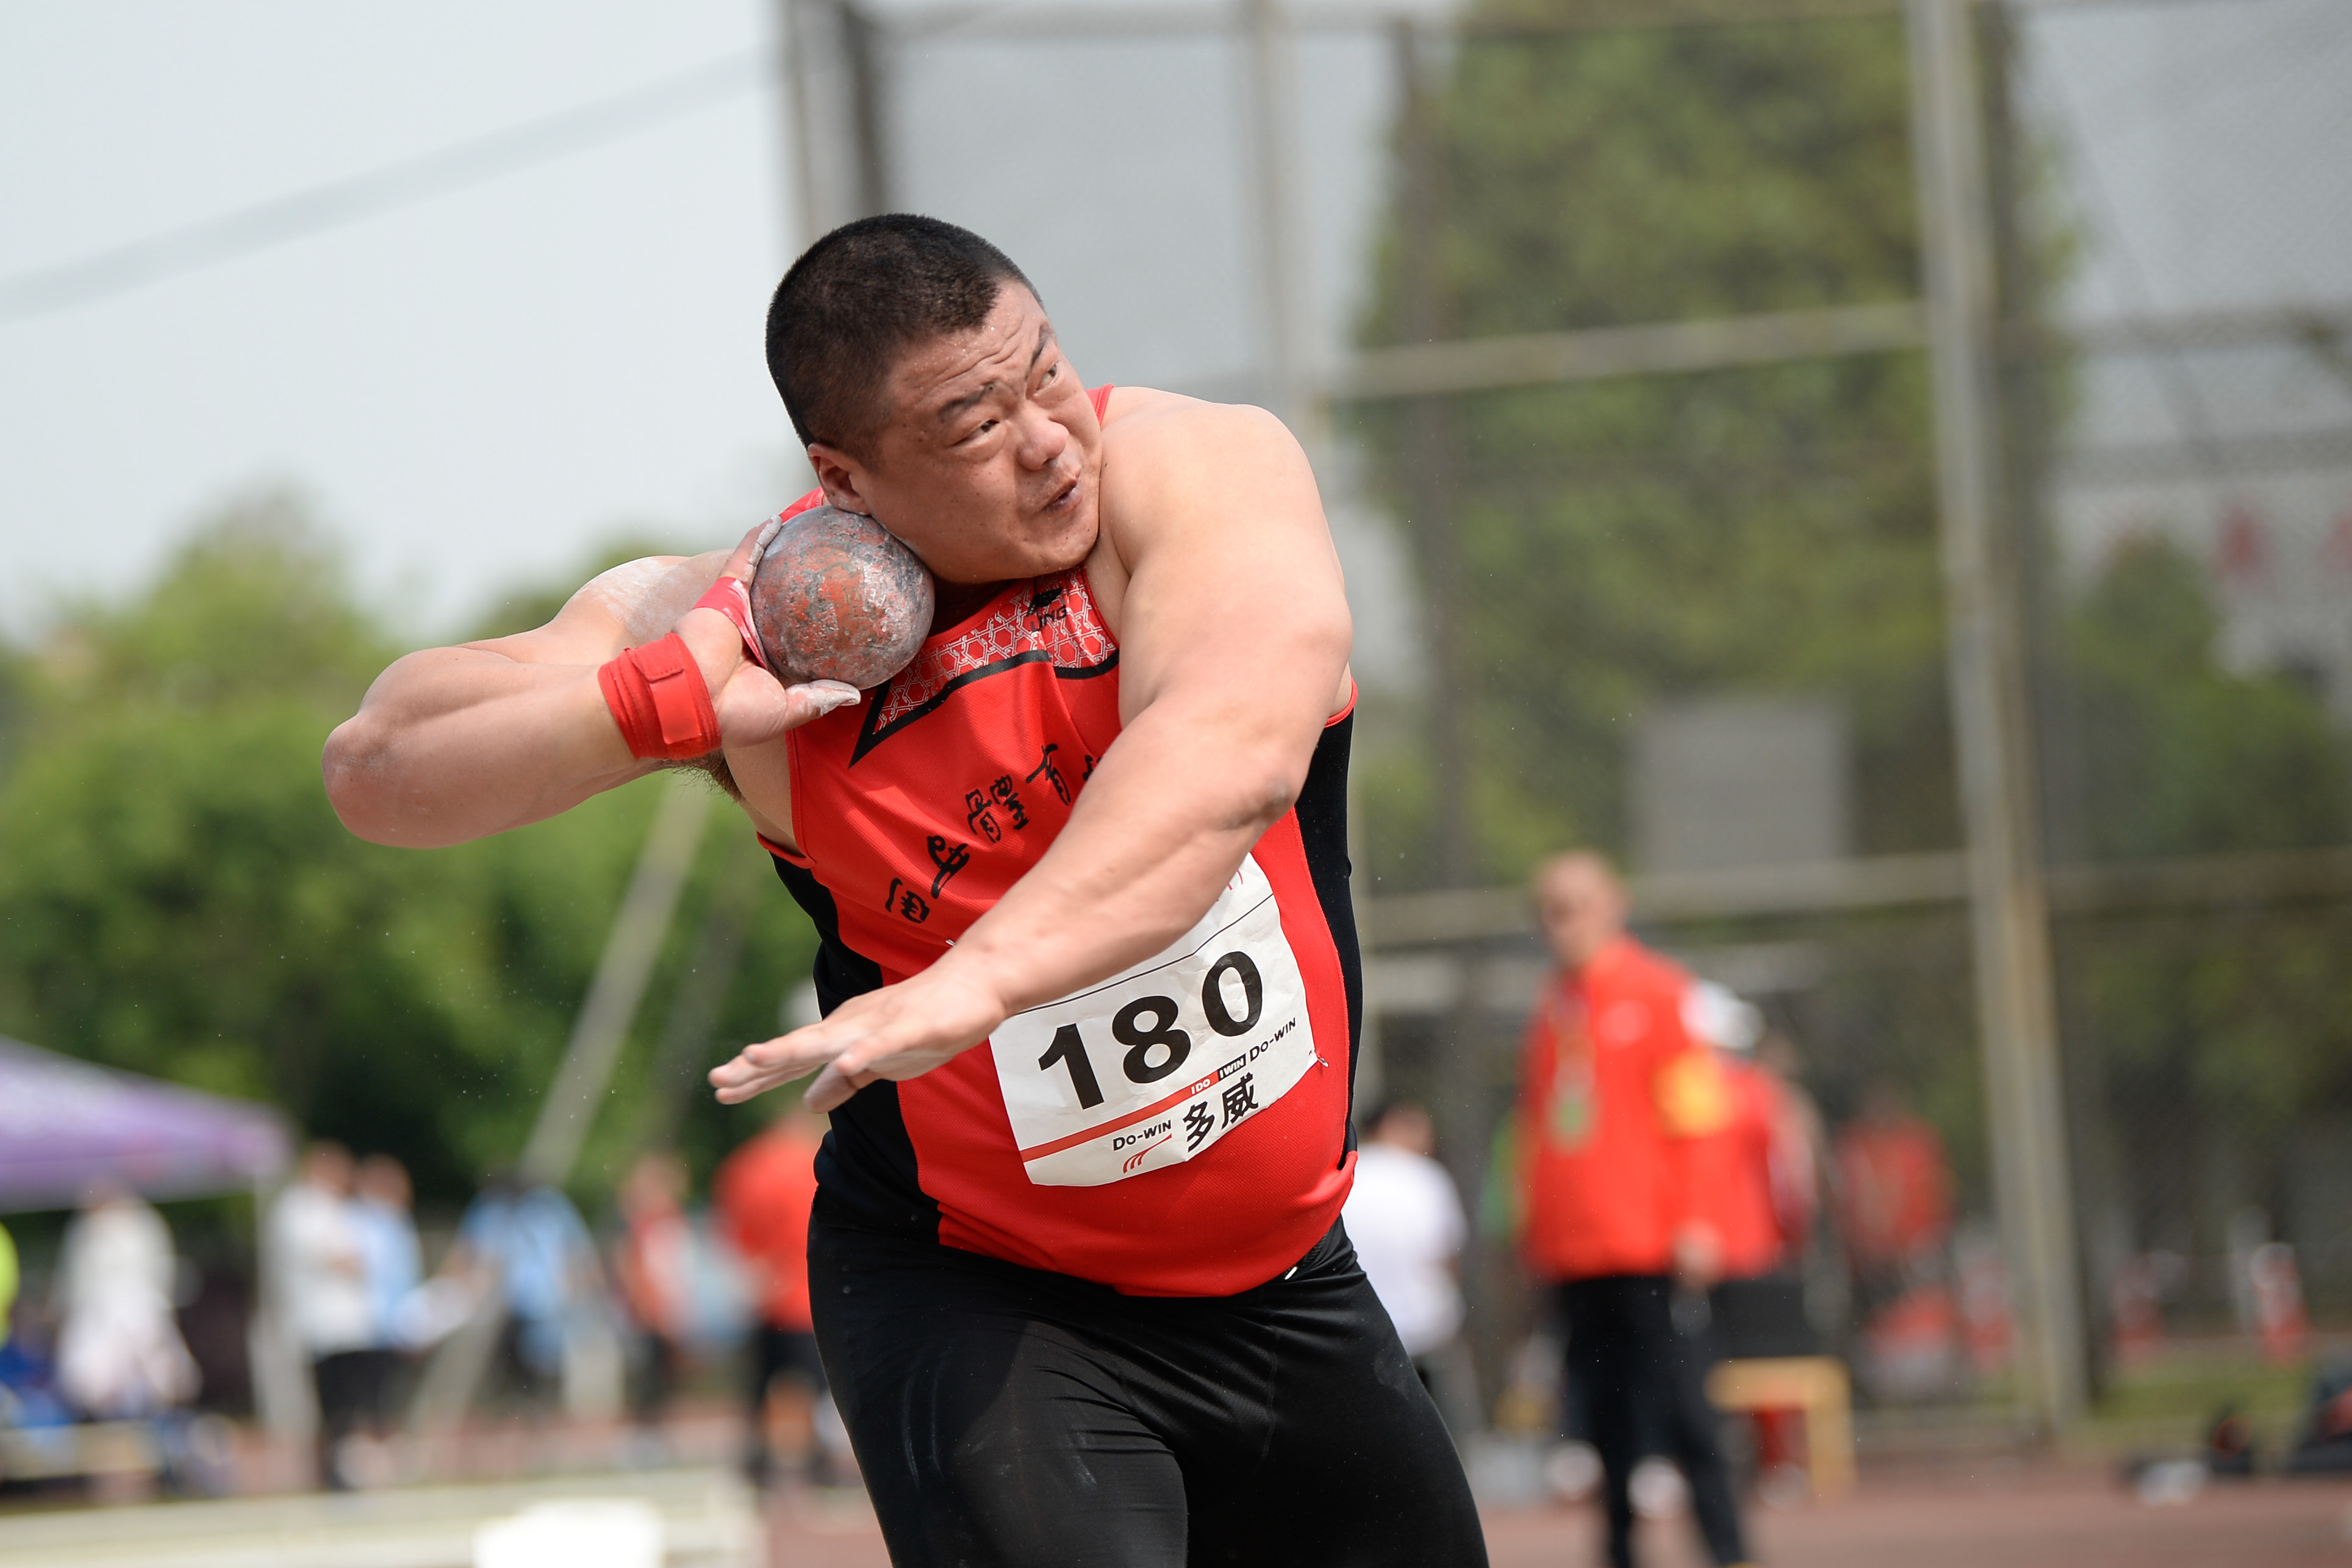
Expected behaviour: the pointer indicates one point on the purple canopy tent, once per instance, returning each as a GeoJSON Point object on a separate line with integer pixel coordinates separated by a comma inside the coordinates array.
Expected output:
{"type": "Point", "coordinates": [67, 1125]}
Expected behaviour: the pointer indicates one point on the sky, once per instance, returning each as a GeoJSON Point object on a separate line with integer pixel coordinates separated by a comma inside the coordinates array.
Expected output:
{"type": "Point", "coordinates": [477, 391]}
{"type": "Point", "coordinates": [471, 390]}
{"type": "Point", "coordinates": [2202, 149]}
{"type": "Point", "coordinates": [2199, 157]}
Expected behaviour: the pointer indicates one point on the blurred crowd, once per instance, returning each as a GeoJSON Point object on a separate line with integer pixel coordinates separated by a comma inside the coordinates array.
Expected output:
{"type": "Point", "coordinates": [1663, 1186]}
{"type": "Point", "coordinates": [565, 1326]}
{"type": "Point", "coordinates": [561, 1324]}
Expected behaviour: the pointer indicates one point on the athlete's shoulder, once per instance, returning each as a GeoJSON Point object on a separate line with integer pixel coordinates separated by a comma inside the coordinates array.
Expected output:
{"type": "Point", "coordinates": [1170, 460]}
{"type": "Point", "coordinates": [1144, 423]}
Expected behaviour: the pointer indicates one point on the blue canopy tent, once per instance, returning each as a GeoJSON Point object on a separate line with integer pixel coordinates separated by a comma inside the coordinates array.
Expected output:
{"type": "Point", "coordinates": [69, 1128]}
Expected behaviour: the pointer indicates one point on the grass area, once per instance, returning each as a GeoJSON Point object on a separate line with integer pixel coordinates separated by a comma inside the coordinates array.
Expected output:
{"type": "Point", "coordinates": [2168, 1402]}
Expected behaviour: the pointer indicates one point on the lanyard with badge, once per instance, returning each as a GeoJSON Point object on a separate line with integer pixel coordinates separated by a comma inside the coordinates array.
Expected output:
{"type": "Point", "coordinates": [1574, 1107]}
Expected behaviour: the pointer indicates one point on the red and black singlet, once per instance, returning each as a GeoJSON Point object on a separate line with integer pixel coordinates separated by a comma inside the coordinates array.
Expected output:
{"type": "Point", "coordinates": [1180, 1129]}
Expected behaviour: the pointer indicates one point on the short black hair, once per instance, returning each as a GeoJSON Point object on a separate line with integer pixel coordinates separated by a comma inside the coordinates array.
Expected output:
{"type": "Point", "coordinates": [857, 299]}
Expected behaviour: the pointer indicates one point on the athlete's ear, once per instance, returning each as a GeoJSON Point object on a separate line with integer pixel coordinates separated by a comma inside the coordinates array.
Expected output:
{"type": "Point", "coordinates": [842, 476]}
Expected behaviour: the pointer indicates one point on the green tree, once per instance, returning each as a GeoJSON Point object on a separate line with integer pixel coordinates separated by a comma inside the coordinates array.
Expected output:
{"type": "Point", "coordinates": [2180, 757]}
{"type": "Point", "coordinates": [177, 897]}
{"type": "Point", "coordinates": [2210, 1030]}
{"type": "Point", "coordinates": [1621, 541]}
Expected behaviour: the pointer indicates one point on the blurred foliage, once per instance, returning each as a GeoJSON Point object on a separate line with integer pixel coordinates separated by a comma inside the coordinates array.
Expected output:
{"type": "Point", "coordinates": [2171, 1403]}
{"type": "Point", "coordinates": [177, 897]}
{"type": "Point", "coordinates": [1634, 540]}
{"type": "Point", "coordinates": [2216, 1033]}
{"type": "Point", "coordinates": [1648, 537]}
{"type": "Point", "coordinates": [2177, 756]}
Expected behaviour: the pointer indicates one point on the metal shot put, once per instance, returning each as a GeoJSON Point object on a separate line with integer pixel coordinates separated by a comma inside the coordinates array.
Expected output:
{"type": "Point", "coordinates": [836, 598]}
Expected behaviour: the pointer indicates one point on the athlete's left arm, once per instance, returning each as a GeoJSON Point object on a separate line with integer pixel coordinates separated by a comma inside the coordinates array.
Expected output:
{"type": "Point", "coordinates": [1234, 636]}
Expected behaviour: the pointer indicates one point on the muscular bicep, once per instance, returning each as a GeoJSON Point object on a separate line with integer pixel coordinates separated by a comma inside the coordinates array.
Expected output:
{"type": "Point", "coordinates": [1233, 598]}
{"type": "Point", "coordinates": [455, 743]}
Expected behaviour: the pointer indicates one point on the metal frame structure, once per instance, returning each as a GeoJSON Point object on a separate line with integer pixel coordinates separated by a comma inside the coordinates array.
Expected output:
{"type": "Point", "coordinates": [836, 68]}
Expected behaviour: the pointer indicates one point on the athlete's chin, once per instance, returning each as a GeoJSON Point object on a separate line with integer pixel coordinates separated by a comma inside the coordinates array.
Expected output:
{"type": "Point", "coordinates": [1060, 540]}
{"type": "Point", "coordinates": [1029, 558]}
{"type": "Point", "coordinates": [1048, 540]}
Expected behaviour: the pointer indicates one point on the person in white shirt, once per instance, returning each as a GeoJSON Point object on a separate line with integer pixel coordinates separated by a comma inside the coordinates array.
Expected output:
{"type": "Point", "coordinates": [120, 1355]}
{"type": "Point", "coordinates": [320, 1275]}
{"type": "Point", "coordinates": [1406, 1219]}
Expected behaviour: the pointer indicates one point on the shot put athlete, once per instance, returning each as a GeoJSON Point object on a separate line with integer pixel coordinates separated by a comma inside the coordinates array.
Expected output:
{"type": "Point", "coordinates": [1090, 982]}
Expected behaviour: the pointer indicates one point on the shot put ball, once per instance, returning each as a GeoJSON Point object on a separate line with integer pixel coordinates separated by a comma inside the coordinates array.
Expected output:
{"type": "Point", "coordinates": [836, 598]}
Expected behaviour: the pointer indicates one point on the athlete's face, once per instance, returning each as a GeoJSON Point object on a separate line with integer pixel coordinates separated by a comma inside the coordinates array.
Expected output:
{"type": "Point", "coordinates": [989, 464]}
{"type": "Point", "coordinates": [1582, 909]}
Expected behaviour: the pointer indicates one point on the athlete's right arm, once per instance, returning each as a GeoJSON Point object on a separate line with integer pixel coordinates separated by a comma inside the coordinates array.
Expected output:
{"type": "Point", "coordinates": [453, 744]}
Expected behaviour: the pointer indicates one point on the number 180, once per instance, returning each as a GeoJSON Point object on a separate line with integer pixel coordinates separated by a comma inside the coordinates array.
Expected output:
{"type": "Point", "coordinates": [1129, 1027]}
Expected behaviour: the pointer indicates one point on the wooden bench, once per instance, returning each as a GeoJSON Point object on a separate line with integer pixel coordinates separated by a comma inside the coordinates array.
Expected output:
{"type": "Point", "coordinates": [1816, 1384]}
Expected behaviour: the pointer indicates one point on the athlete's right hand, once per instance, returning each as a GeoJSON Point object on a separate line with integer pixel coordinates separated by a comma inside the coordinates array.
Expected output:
{"type": "Point", "coordinates": [752, 705]}
{"type": "Point", "coordinates": [900, 1032]}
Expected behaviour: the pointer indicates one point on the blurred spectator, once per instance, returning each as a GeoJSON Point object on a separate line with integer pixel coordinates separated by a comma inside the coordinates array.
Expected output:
{"type": "Point", "coordinates": [2285, 1328]}
{"type": "Point", "coordinates": [1406, 1219]}
{"type": "Point", "coordinates": [1894, 1195]}
{"type": "Point", "coordinates": [120, 1356]}
{"type": "Point", "coordinates": [1733, 1184]}
{"type": "Point", "coordinates": [529, 1243]}
{"type": "Point", "coordinates": [1615, 1096]}
{"type": "Point", "coordinates": [390, 1257]}
{"type": "Point", "coordinates": [1801, 1149]}
{"type": "Point", "coordinates": [1754, 1181]}
{"type": "Point", "coordinates": [1980, 1280]}
{"type": "Point", "coordinates": [2136, 1312]}
{"type": "Point", "coordinates": [763, 1193]}
{"type": "Point", "coordinates": [391, 1264]}
{"type": "Point", "coordinates": [653, 1266]}
{"type": "Point", "coordinates": [322, 1276]}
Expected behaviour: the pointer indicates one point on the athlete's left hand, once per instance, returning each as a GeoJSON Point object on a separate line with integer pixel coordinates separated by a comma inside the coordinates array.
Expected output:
{"type": "Point", "coordinates": [1698, 1256]}
{"type": "Point", "coordinates": [899, 1032]}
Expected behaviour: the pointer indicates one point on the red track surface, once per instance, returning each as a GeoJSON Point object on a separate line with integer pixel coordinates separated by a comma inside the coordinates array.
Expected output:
{"type": "Point", "coordinates": [2013, 1520]}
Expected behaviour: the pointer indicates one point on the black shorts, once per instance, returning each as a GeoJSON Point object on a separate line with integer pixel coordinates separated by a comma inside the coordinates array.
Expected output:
{"type": "Point", "coordinates": [1004, 1416]}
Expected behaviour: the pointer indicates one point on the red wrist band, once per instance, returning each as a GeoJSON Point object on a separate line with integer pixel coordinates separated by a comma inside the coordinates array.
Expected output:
{"type": "Point", "coordinates": [731, 599]}
{"type": "Point", "coordinates": [660, 701]}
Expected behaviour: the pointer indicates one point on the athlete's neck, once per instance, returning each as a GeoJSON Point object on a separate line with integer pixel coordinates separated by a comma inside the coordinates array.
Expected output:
{"type": "Point", "coordinates": [957, 601]}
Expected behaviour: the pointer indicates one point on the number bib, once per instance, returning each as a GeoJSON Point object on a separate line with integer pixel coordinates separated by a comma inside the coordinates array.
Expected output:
{"type": "Point", "coordinates": [1156, 1064]}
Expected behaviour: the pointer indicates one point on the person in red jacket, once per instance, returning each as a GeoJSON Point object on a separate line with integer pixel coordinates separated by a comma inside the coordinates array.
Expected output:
{"type": "Point", "coordinates": [1755, 1184]}
{"type": "Point", "coordinates": [764, 1193]}
{"type": "Point", "coordinates": [1755, 1177]}
{"type": "Point", "coordinates": [1615, 1098]}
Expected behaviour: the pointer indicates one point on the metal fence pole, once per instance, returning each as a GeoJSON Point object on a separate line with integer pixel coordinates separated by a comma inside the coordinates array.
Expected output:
{"type": "Point", "coordinates": [630, 950]}
{"type": "Point", "coordinates": [834, 77]}
{"type": "Point", "coordinates": [1992, 718]}
{"type": "Point", "coordinates": [1274, 125]}
{"type": "Point", "coordinates": [1429, 433]}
